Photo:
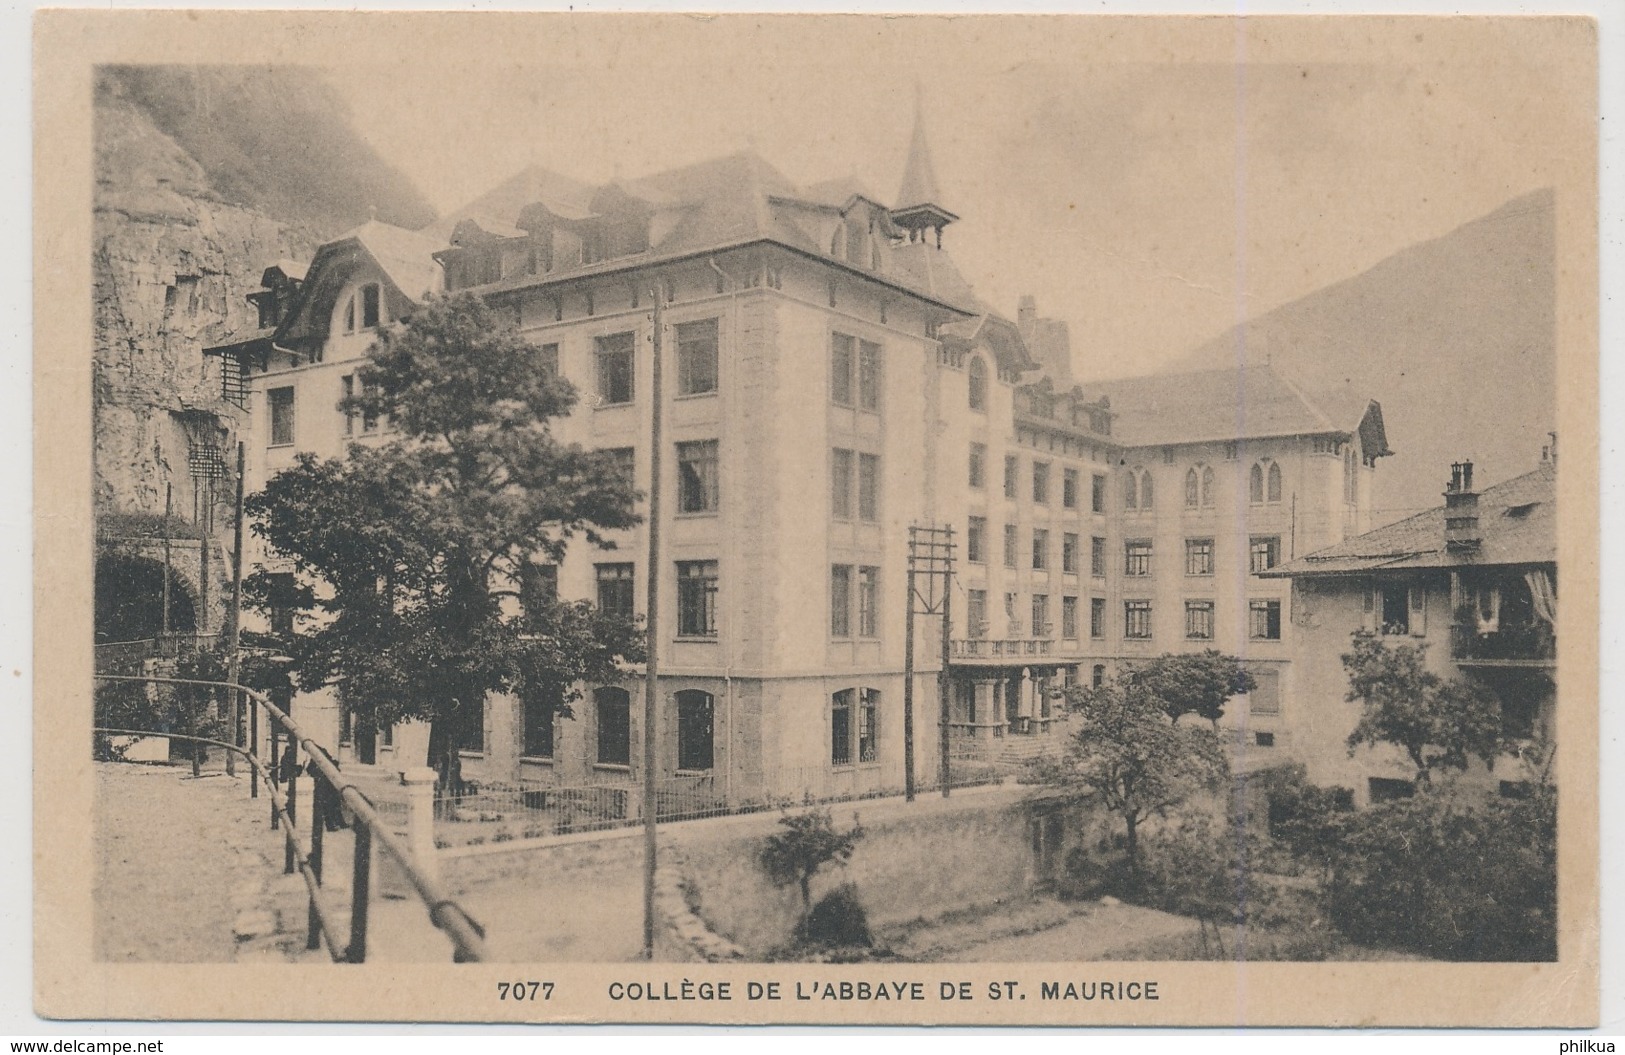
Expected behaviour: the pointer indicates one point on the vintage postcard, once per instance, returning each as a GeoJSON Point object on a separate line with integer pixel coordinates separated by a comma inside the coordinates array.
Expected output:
{"type": "Point", "coordinates": [806, 519]}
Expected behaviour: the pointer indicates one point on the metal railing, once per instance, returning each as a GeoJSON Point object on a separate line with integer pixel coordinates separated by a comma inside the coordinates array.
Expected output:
{"type": "Point", "coordinates": [466, 935]}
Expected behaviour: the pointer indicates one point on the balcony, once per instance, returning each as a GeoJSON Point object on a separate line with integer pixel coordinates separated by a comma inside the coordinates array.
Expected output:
{"type": "Point", "coordinates": [1512, 645]}
{"type": "Point", "coordinates": [994, 649]}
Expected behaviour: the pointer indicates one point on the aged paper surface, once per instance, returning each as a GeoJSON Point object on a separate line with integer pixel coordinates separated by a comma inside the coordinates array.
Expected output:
{"type": "Point", "coordinates": [1277, 224]}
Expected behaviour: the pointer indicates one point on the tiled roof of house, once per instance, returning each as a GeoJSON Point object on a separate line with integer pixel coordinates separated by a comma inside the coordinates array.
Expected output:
{"type": "Point", "coordinates": [405, 256]}
{"type": "Point", "coordinates": [1223, 405]}
{"type": "Point", "coordinates": [1517, 520]}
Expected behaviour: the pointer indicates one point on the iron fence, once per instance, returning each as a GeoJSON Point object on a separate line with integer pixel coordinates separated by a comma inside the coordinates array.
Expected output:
{"type": "Point", "coordinates": [330, 789]}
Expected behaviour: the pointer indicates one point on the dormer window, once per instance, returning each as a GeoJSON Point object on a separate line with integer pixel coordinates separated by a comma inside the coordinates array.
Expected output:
{"type": "Point", "coordinates": [370, 297]}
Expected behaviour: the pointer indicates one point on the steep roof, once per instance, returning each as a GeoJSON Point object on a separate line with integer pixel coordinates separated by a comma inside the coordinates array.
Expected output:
{"type": "Point", "coordinates": [919, 186]}
{"type": "Point", "coordinates": [1517, 518]}
{"type": "Point", "coordinates": [504, 201]}
{"type": "Point", "coordinates": [405, 256]}
{"type": "Point", "coordinates": [1243, 403]}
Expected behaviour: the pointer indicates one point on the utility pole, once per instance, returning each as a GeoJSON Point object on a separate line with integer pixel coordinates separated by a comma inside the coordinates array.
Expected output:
{"type": "Point", "coordinates": [169, 511]}
{"type": "Point", "coordinates": [234, 617]}
{"type": "Point", "coordinates": [651, 690]}
{"type": "Point", "coordinates": [930, 561]}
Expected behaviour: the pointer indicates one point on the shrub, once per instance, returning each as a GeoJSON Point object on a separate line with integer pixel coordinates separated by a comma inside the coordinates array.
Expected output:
{"type": "Point", "coordinates": [1453, 874]}
{"type": "Point", "coordinates": [838, 920]}
{"type": "Point", "coordinates": [806, 843]}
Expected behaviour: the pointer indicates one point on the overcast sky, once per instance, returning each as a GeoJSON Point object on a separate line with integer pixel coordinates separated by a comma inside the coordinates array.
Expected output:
{"type": "Point", "coordinates": [1150, 201]}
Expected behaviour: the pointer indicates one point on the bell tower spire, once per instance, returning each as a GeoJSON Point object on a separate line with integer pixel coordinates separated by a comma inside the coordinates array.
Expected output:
{"type": "Point", "coordinates": [918, 207]}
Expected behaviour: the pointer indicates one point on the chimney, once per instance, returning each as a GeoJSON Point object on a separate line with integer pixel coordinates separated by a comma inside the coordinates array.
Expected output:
{"type": "Point", "coordinates": [1461, 532]}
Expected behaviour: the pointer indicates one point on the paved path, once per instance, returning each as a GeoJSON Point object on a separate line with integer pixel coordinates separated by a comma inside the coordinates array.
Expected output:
{"type": "Point", "coordinates": [178, 862]}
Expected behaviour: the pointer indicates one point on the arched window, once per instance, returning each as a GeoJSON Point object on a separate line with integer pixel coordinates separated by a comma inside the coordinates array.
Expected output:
{"type": "Point", "coordinates": [1207, 485]}
{"type": "Point", "coordinates": [837, 242]}
{"type": "Point", "coordinates": [1350, 476]}
{"type": "Point", "coordinates": [1191, 496]}
{"type": "Point", "coordinates": [1131, 490]}
{"type": "Point", "coordinates": [694, 730]}
{"type": "Point", "coordinates": [978, 384]}
{"type": "Point", "coordinates": [1255, 484]}
{"type": "Point", "coordinates": [613, 711]}
{"type": "Point", "coordinates": [1275, 482]}
{"type": "Point", "coordinates": [1145, 489]}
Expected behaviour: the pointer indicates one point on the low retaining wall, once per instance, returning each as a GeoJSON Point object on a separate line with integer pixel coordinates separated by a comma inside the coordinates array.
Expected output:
{"type": "Point", "coordinates": [919, 859]}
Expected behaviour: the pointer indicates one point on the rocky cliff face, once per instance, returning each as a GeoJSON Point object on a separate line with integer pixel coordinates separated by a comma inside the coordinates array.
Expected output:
{"type": "Point", "coordinates": [204, 175]}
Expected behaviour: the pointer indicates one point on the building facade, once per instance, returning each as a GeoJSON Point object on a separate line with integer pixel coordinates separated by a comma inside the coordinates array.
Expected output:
{"type": "Point", "coordinates": [1475, 582]}
{"type": "Point", "coordinates": [830, 381]}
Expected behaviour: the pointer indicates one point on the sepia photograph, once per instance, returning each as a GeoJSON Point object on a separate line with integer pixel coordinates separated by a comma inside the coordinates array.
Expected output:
{"type": "Point", "coordinates": [820, 505]}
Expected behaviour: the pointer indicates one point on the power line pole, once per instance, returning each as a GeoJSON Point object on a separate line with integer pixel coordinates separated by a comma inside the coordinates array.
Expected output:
{"type": "Point", "coordinates": [234, 616]}
{"type": "Point", "coordinates": [651, 692]}
{"type": "Point", "coordinates": [930, 579]}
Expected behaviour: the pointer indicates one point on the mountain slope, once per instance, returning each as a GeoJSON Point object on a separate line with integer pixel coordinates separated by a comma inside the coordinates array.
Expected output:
{"type": "Point", "coordinates": [1455, 336]}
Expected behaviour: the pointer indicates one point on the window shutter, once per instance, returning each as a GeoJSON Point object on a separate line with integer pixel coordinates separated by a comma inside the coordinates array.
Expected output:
{"type": "Point", "coordinates": [1419, 611]}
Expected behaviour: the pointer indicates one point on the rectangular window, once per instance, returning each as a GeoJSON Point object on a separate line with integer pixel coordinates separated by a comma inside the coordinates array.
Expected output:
{"type": "Point", "coordinates": [697, 357]}
{"type": "Point", "coordinates": [840, 600]}
{"type": "Point", "coordinates": [976, 540]}
{"type": "Point", "coordinates": [281, 404]}
{"type": "Point", "coordinates": [868, 601]}
{"type": "Point", "coordinates": [840, 484]}
{"type": "Point", "coordinates": [547, 360]}
{"type": "Point", "coordinates": [1069, 553]}
{"type": "Point", "coordinates": [695, 731]}
{"type": "Point", "coordinates": [538, 586]}
{"type": "Point", "coordinates": [1011, 547]}
{"type": "Point", "coordinates": [1265, 698]}
{"type": "Point", "coordinates": [869, 487]}
{"type": "Point", "coordinates": [615, 359]}
{"type": "Point", "coordinates": [697, 598]}
{"type": "Point", "coordinates": [1097, 494]}
{"type": "Point", "coordinates": [868, 724]}
{"type": "Point", "coordinates": [1069, 618]}
{"type": "Point", "coordinates": [1011, 471]}
{"type": "Point", "coordinates": [1137, 557]}
{"type": "Point", "coordinates": [625, 462]}
{"type": "Point", "coordinates": [1264, 552]}
{"type": "Point", "coordinates": [842, 350]}
{"type": "Point", "coordinates": [1069, 488]}
{"type": "Point", "coordinates": [1041, 625]}
{"type": "Point", "coordinates": [1199, 620]}
{"type": "Point", "coordinates": [615, 591]}
{"type": "Point", "coordinates": [1097, 617]}
{"type": "Point", "coordinates": [1396, 609]}
{"type": "Point", "coordinates": [869, 376]}
{"type": "Point", "coordinates": [369, 306]}
{"type": "Point", "coordinates": [697, 471]}
{"type": "Point", "coordinates": [369, 418]}
{"type": "Point", "coordinates": [1137, 620]}
{"type": "Point", "coordinates": [1097, 557]}
{"type": "Point", "coordinates": [1040, 549]}
{"type": "Point", "coordinates": [614, 722]}
{"type": "Point", "coordinates": [347, 382]}
{"type": "Point", "coordinates": [1198, 556]}
{"type": "Point", "coordinates": [840, 728]}
{"type": "Point", "coordinates": [1041, 483]}
{"type": "Point", "coordinates": [976, 612]}
{"type": "Point", "coordinates": [1264, 620]}
{"type": "Point", "coordinates": [978, 465]}
{"type": "Point", "coordinates": [541, 707]}
{"type": "Point", "coordinates": [282, 598]}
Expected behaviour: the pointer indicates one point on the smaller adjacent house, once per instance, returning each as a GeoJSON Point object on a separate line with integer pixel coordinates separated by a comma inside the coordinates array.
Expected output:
{"type": "Point", "coordinates": [1474, 580]}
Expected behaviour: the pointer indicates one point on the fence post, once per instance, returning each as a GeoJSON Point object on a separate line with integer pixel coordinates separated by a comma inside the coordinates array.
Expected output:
{"type": "Point", "coordinates": [419, 782]}
{"type": "Point", "coordinates": [360, 892]}
{"type": "Point", "coordinates": [318, 801]}
{"type": "Point", "coordinates": [290, 759]}
{"type": "Point", "coordinates": [253, 740]}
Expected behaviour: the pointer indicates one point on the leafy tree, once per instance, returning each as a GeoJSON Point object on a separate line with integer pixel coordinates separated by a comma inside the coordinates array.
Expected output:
{"type": "Point", "coordinates": [1456, 874]}
{"type": "Point", "coordinates": [1133, 756]}
{"type": "Point", "coordinates": [806, 844]}
{"type": "Point", "coordinates": [1197, 683]}
{"type": "Point", "coordinates": [415, 559]}
{"type": "Point", "coordinates": [1438, 724]}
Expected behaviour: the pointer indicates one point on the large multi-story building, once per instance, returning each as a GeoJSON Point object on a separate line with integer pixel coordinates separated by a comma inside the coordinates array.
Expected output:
{"type": "Point", "coordinates": [831, 381]}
